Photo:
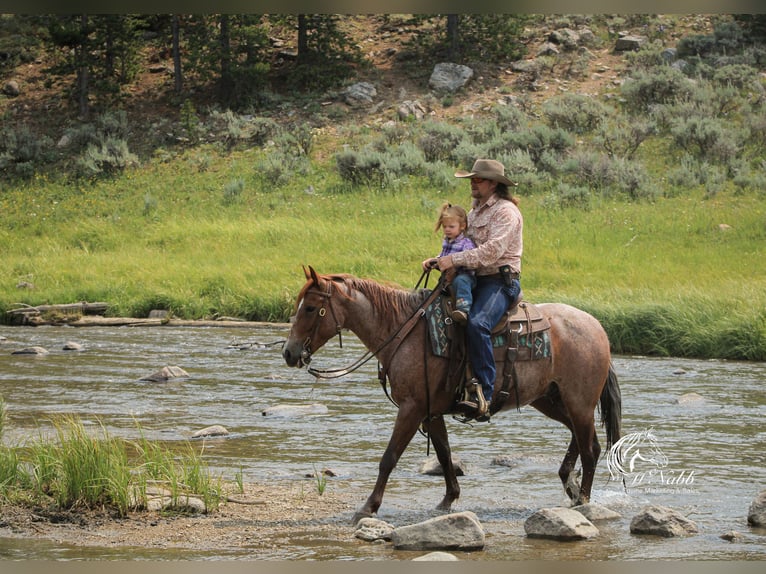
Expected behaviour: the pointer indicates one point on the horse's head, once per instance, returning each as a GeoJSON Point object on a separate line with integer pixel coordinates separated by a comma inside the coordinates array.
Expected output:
{"type": "Point", "coordinates": [312, 325]}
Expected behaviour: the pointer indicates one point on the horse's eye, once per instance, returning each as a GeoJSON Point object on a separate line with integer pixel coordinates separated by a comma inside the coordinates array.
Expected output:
{"type": "Point", "coordinates": [310, 308]}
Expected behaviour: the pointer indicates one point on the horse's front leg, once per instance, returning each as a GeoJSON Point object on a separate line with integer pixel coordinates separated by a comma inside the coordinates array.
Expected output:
{"type": "Point", "coordinates": [437, 430]}
{"type": "Point", "coordinates": [405, 427]}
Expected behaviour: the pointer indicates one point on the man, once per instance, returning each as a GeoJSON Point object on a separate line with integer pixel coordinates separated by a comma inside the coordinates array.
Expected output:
{"type": "Point", "coordinates": [495, 224]}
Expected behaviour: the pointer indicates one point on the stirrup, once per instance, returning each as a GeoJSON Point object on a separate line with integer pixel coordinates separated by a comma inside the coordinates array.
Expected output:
{"type": "Point", "coordinates": [474, 404]}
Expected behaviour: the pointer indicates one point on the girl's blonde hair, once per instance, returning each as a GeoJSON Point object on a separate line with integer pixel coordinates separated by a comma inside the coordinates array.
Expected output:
{"type": "Point", "coordinates": [448, 212]}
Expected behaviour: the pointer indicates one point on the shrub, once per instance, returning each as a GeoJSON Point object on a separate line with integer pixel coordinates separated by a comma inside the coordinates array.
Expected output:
{"type": "Point", "coordinates": [364, 167]}
{"type": "Point", "coordinates": [439, 140]}
{"type": "Point", "coordinates": [107, 158]}
{"type": "Point", "coordinates": [540, 138]}
{"type": "Point", "coordinates": [232, 191]}
{"type": "Point", "coordinates": [21, 152]}
{"type": "Point", "coordinates": [622, 138]}
{"type": "Point", "coordinates": [657, 86]}
{"type": "Point", "coordinates": [566, 195]}
{"type": "Point", "coordinates": [706, 138]}
{"type": "Point", "coordinates": [576, 113]}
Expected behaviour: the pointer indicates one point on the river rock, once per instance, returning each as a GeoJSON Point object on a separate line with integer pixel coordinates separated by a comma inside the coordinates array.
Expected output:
{"type": "Point", "coordinates": [437, 557]}
{"type": "Point", "coordinates": [593, 511]}
{"type": "Point", "coordinates": [372, 529]}
{"type": "Point", "coordinates": [432, 467]}
{"type": "Point", "coordinates": [31, 351]}
{"type": "Point", "coordinates": [214, 430]}
{"type": "Point", "coordinates": [295, 410]}
{"type": "Point", "coordinates": [662, 521]}
{"type": "Point", "coordinates": [690, 399]}
{"type": "Point", "coordinates": [457, 531]}
{"type": "Point", "coordinates": [72, 346]}
{"type": "Point", "coordinates": [559, 523]}
{"type": "Point", "coordinates": [166, 374]}
{"type": "Point", "coordinates": [756, 515]}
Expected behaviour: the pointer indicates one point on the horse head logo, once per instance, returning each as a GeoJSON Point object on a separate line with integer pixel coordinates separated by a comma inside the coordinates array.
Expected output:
{"type": "Point", "coordinates": [634, 450]}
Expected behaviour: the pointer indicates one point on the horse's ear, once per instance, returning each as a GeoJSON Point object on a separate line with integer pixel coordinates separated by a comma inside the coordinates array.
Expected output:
{"type": "Point", "coordinates": [306, 272]}
{"type": "Point", "coordinates": [312, 275]}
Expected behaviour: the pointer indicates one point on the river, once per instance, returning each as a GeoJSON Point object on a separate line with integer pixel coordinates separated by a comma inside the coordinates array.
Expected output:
{"type": "Point", "coordinates": [715, 443]}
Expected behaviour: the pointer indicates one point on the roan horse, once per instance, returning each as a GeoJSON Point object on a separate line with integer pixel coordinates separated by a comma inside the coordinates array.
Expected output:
{"type": "Point", "coordinates": [568, 387]}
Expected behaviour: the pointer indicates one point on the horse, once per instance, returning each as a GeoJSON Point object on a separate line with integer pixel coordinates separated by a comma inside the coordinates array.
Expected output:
{"type": "Point", "coordinates": [567, 387]}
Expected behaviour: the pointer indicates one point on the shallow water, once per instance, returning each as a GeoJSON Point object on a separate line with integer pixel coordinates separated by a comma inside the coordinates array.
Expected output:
{"type": "Point", "coordinates": [717, 445]}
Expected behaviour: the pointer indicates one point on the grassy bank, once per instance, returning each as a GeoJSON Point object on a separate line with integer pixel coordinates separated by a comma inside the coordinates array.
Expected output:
{"type": "Point", "coordinates": [677, 276]}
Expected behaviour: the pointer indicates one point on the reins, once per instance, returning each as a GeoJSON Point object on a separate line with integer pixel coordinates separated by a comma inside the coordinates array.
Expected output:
{"type": "Point", "coordinates": [400, 334]}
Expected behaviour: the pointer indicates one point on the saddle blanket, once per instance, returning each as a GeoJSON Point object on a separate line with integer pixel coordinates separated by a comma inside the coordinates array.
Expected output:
{"type": "Point", "coordinates": [538, 344]}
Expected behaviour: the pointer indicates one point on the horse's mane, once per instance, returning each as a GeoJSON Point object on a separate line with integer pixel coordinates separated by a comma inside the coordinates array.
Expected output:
{"type": "Point", "coordinates": [386, 299]}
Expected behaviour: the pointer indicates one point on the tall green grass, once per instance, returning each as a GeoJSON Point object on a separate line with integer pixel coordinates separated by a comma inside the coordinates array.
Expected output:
{"type": "Point", "coordinates": [79, 469]}
{"type": "Point", "coordinates": [663, 276]}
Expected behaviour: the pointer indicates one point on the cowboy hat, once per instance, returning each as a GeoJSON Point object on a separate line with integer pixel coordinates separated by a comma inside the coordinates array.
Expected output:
{"type": "Point", "coordinates": [487, 169]}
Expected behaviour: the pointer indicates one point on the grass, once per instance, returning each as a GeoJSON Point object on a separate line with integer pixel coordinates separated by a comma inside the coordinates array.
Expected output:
{"type": "Point", "coordinates": [78, 469]}
{"type": "Point", "coordinates": [663, 276]}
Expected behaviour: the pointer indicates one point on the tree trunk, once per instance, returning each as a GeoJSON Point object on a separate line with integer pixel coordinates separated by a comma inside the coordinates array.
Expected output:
{"type": "Point", "coordinates": [452, 35]}
{"type": "Point", "coordinates": [225, 46]}
{"type": "Point", "coordinates": [82, 62]}
{"type": "Point", "coordinates": [178, 80]}
{"type": "Point", "coordinates": [303, 39]}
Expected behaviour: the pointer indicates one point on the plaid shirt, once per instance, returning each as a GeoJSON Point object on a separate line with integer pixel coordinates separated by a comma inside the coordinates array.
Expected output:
{"type": "Point", "coordinates": [460, 243]}
{"type": "Point", "coordinates": [496, 227]}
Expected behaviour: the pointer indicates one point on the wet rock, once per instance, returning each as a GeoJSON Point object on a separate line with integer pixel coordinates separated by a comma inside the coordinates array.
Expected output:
{"type": "Point", "coordinates": [373, 529]}
{"type": "Point", "coordinates": [166, 374]}
{"type": "Point", "coordinates": [448, 77]}
{"type": "Point", "coordinates": [593, 511]}
{"type": "Point", "coordinates": [756, 515]}
{"type": "Point", "coordinates": [662, 521]}
{"type": "Point", "coordinates": [504, 460]}
{"type": "Point", "coordinates": [31, 351]}
{"type": "Point", "coordinates": [457, 531]}
{"type": "Point", "coordinates": [690, 399]}
{"type": "Point", "coordinates": [559, 523]}
{"type": "Point", "coordinates": [72, 346]}
{"type": "Point", "coordinates": [295, 410]}
{"type": "Point", "coordinates": [732, 536]}
{"type": "Point", "coordinates": [437, 557]}
{"type": "Point", "coordinates": [211, 431]}
{"type": "Point", "coordinates": [431, 466]}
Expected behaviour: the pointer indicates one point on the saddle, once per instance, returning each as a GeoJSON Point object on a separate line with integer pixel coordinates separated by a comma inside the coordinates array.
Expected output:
{"type": "Point", "coordinates": [522, 334]}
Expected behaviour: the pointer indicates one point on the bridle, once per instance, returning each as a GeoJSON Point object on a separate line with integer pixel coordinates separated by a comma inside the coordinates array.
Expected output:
{"type": "Point", "coordinates": [327, 296]}
{"type": "Point", "coordinates": [396, 337]}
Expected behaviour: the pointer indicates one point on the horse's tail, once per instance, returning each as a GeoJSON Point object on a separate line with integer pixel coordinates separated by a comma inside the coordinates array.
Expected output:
{"type": "Point", "coordinates": [611, 408]}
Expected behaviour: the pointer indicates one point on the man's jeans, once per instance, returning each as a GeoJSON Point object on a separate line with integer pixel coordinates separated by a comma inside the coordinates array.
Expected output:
{"type": "Point", "coordinates": [491, 299]}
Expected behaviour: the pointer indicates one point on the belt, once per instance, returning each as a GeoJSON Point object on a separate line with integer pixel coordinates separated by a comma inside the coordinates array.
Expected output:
{"type": "Point", "coordinates": [498, 276]}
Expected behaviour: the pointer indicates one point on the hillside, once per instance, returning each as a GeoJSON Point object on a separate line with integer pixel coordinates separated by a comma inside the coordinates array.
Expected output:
{"type": "Point", "coordinates": [43, 105]}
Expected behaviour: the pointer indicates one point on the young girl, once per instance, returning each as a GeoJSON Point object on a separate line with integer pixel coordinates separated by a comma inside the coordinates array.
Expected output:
{"type": "Point", "coordinates": [453, 222]}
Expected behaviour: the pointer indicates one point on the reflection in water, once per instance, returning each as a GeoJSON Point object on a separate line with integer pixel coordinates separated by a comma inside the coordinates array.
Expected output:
{"type": "Point", "coordinates": [718, 437]}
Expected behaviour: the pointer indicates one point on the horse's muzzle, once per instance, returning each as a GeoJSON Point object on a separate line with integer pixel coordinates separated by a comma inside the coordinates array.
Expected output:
{"type": "Point", "coordinates": [296, 355]}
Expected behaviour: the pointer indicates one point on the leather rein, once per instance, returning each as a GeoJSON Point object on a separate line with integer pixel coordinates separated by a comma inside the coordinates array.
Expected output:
{"type": "Point", "coordinates": [397, 336]}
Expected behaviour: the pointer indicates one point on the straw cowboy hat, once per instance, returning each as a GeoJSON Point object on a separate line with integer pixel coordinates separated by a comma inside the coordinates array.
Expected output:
{"type": "Point", "coordinates": [488, 169]}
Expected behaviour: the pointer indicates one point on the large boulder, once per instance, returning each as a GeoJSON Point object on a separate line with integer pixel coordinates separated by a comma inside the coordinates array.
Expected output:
{"type": "Point", "coordinates": [756, 515]}
{"type": "Point", "coordinates": [457, 531]}
{"type": "Point", "coordinates": [662, 521]}
{"type": "Point", "coordinates": [559, 523]}
{"type": "Point", "coordinates": [448, 77]}
{"type": "Point", "coordinates": [359, 94]}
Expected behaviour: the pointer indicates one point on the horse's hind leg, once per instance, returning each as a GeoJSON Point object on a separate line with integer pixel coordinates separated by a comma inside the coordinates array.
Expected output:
{"type": "Point", "coordinates": [554, 409]}
{"type": "Point", "coordinates": [437, 431]}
